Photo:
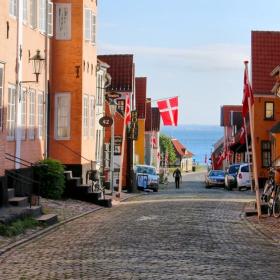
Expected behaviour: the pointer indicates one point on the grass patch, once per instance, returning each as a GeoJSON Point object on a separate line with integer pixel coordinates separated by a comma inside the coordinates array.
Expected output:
{"type": "Point", "coordinates": [18, 227]}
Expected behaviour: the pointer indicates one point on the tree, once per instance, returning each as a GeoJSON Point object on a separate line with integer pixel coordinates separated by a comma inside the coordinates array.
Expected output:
{"type": "Point", "coordinates": [166, 146]}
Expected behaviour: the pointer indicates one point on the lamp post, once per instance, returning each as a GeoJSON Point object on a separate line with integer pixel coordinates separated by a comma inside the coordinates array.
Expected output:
{"type": "Point", "coordinates": [113, 109]}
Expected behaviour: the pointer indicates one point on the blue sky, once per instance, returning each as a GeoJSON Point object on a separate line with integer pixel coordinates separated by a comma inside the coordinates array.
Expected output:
{"type": "Point", "coordinates": [191, 48]}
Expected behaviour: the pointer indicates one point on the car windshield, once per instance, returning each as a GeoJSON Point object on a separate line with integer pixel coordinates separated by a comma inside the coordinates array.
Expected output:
{"type": "Point", "coordinates": [146, 170]}
{"type": "Point", "coordinates": [233, 169]}
{"type": "Point", "coordinates": [217, 173]}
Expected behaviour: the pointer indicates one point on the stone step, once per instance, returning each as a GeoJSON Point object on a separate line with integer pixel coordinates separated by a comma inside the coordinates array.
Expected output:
{"type": "Point", "coordinates": [105, 202]}
{"type": "Point", "coordinates": [250, 211]}
{"type": "Point", "coordinates": [35, 211]}
{"type": "Point", "coordinates": [68, 175]}
{"type": "Point", "coordinates": [11, 193]}
{"type": "Point", "coordinates": [19, 201]}
{"type": "Point", "coordinates": [47, 219]}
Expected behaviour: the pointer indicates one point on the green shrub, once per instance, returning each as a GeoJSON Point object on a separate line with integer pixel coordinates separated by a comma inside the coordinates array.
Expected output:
{"type": "Point", "coordinates": [51, 176]}
{"type": "Point", "coordinates": [17, 227]}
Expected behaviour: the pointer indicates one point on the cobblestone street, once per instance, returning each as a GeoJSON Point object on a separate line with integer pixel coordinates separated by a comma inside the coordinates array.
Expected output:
{"type": "Point", "coordinates": [190, 233]}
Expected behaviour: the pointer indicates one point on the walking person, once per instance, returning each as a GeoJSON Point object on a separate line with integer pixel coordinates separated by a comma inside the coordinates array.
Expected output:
{"type": "Point", "coordinates": [177, 175]}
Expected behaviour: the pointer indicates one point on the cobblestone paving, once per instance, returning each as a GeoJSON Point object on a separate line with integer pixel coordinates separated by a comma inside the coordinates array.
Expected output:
{"type": "Point", "coordinates": [190, 233]}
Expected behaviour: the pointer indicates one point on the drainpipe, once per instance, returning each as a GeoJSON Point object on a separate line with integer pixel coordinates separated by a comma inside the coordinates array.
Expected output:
{"type": "Point", "coordinates": [18, 80]}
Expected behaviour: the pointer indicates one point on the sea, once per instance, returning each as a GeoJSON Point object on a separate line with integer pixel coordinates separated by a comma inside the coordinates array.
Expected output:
{"type": "Point", "coordinates": [199, 139]}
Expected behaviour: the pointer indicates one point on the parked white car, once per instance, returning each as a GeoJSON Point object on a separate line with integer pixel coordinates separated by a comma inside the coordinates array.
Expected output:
{"type": "Point", "coordinates": [244, 176]}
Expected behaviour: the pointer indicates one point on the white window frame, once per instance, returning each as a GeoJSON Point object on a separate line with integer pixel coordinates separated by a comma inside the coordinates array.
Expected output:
{"type": "Point", "coordinates": [42, 16]}
{"type": "Point", "coordinates": [2, 75]}
{"type": "Point", "coordinates": [40, 106]}
{"type": "Point", "coordinates": [93, 28]}
{"type": "Point", "coordinates": [33, 14]}
{"type": "Point", "coordinates": [50, 18]}
{"type": "Point", "coordinates": [85, 115]}
{"type": "Point", "coordinates": [87, 25]}
{"type": "Point", "coordinates": [66, 115]}
{"type": "Point", "coordinates": [11, 113]}
{"type": "Point", "coordinates": [23, 118]}
{"type": "Point", "coordinates": [13, 8]}
{"type": "Point", "coordinates": [24, 11]}
{"type": "Point", "coordinates": [91, 116]}
{"type": "Point", "coordinates": [32, 114]}
{"type": "Point", "coordinates": [63, 21]}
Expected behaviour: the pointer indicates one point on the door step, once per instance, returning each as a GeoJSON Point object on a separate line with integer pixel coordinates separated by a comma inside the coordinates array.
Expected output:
{"type": "Point", "coordinates": [11, 193]}
{"type": "Point", "coordinates": [47, 219]}
{"type": "Point", "coordinates": [19, 201]}
{"type": "Point", "coordinates": [34, 211]}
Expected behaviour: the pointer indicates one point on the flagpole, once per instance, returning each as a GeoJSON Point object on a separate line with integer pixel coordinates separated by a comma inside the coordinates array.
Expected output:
{"type": "Point", "coordinates": [247, 150]}
{"type": "Point", "coordinates": [255, 171]}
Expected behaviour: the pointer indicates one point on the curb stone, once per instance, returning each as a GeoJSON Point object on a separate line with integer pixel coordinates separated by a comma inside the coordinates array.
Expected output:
{"type": "Point", "coordinates": [44, 231]}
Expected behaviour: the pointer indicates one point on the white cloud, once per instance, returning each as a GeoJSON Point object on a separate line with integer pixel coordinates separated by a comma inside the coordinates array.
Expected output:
{"type": "Point", "coordinates": [203, 58]}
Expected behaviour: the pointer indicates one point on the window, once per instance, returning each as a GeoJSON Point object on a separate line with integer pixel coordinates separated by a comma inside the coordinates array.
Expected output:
{"type": "Point", "coordinates": [63, 22]}
{"type": "Point", "coordinates": [50, 18]}
{"type": "Point", "coordinates": [93, 28]}
{"type": "Point", "coordinates": [24, 11]}
{"type": "Point", "coordinates": [266, 153]}
{"type": "Point", "coordinates": [91, 116]}
{"type": "Point", "coordinates": [40, 114]}
{"type": "Point", "coordinates": [42, 16]}
{"type": "Point", "coordinates": [99, 90]}
{"type": "Point", "coordinates": [121, 105]}
{"type": "Point", "coordinates": [13, 8]}
{"type": "Point", "coordinates": [33, 13]}
{"type": "Point", "coordinates": [23, 113]}
{"type": "Point", "coordinates": [85, 116]}
{"type": "Point", "coordinates": [99, 144]}
{"type": "Point", "coordinates": [269, 110]}
{"type": "Point", "coordinates": [87, 24]}
{"type": "Point", "coordinates": [31, 125]}
{"type": "Point", "coordinates": [11, 114]}
{"type": "Point", "coordinates": [62, 116]}
{"type": "Point", "coordinates": [1, 93]}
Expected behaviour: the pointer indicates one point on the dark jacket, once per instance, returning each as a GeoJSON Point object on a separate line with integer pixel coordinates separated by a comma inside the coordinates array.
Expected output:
{"type": "Point", "coordinates": [177, 173]}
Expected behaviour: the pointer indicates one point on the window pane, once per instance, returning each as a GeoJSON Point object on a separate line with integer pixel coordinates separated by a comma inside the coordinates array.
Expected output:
{"type": "Point", "coordinates": [63, 22]}
{"type": "Point", "coordinates": [62, 115]}
{"type": "Point", "coordinates": [269, 110]}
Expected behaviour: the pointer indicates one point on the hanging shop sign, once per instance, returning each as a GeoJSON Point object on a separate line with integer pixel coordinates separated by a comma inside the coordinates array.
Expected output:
{"type": "Point", "coordinates": [106, 121]}
{"type": "Point", "coordinates": [112, 95]}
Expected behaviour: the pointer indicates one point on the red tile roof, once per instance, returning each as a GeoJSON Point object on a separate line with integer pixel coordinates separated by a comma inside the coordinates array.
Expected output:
{"type": "Point", "coordinates": [265, 53]}
{"type": "Point", "coordinates": [140, 86]}
{"type": "Point", "coordinates": [155, 119]}
{"type": "Point", "coordinates": [180, 149]}
{"type": "Point", "coordinates": [225, 113]}
{"type": "Point", "coordinates": [121, 70]}
{"type": "Point", "coordinates": [148, 122]}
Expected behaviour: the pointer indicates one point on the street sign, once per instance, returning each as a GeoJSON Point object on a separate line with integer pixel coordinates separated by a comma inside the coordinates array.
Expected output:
{"type": "Point", "coordinates": [106, 121]}
{"type": "Point", "coordinates": [112, 95]}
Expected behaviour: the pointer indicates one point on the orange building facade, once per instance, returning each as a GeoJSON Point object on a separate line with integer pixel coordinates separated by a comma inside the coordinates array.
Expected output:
{"type": "Point", "coordinates": [73, 85]}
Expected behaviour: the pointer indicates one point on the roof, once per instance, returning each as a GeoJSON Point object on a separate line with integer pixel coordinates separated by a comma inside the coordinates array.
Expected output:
{"type": "Point", "coordinates": [148, 122]}
{"type": "Point", "coordinates": [121, 70]}
{"type": "Point", "coordinates": [155, 126]}
{"type": "Point", "coordinates": [180, 149]}
{"type": "Point", "coordinates": [140, 86]}
{"type": "Point", "coordinates": [265, 53]}
{"type": "Point", "coordinates": [226, 113]}
{"type": "Point", "coordinates": [275, 128]}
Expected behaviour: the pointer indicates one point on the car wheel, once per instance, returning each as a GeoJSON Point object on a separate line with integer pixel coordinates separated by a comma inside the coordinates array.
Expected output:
{"type": "Point", "coordinates": [155, 190]}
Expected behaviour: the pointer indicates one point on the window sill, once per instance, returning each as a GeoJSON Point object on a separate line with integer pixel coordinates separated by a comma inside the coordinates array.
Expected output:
{"type": "Point", "coordinates": [269, 119]}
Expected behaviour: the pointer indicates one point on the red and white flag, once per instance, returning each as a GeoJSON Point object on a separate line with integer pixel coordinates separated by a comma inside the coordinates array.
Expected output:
{"type": "Point", "coordinates": [153, 140]}
{"type": "Point", "coordinates": [127, 110]}
{"type": "Point", "coordinates": [247, 92]}
{"type": "Point", "coordinates": [168, 109]}
{"type": "Point", "coordinates": [242, 138]}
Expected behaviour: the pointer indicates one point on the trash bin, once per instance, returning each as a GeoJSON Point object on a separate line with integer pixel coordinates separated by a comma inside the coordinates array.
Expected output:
{"type": "Point", "coordinates": [193, 168]}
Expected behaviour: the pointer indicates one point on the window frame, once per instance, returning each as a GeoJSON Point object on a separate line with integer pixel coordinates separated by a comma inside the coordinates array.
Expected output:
{"type": "Point", "coordinates": [66, 95]}
{"type": "Point", "coordinates": [23, 118]}
{"type": "Point", "coordinates": [87, 24]}
{"type": "Point", "coordinates": [85, 116]}
{"type": "Point", "coordinates": [13, 8]}
{"type": "Point", "coordinates": [266, 110]}
{"type": "Point", "coordinates": [2, 79]}
{"type": "Point", "coordinates": [266, 153]}
{"type": "Point", "coordinates": [40, 114]}
{"type": "Point", "coordinates": [91, 116]}
{"type": "Point", "coordinates": [32, 114]}
{"type": "Point", "coordinates": [121, 106]}
{"type": "Point", "coordinates": [33, 14]}
{"type": "Point", "coordinates": [11, 113]}
{"type": "Point", "coordinates": [66, 33]}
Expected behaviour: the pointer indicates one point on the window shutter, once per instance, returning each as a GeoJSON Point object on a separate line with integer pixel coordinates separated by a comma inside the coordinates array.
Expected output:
{"type": "Point", "coordinates": [87, 24]}
{"type": "Point", "coordinates": [93, 28]}
{"type": "Point", "coordinates": [24, 11]}
{"type": "Point", "coordinates": [63, 22]}
{"type": "Point", "coordinates": [50, 19]}
{"type": "Point", "coordinates": [33, 13]}
{"type": "Point", "coordinates": [42, 16]}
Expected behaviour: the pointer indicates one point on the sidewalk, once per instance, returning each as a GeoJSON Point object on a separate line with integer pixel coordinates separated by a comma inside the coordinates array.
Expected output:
{"type": "Point", "coordinates": [66, 210]}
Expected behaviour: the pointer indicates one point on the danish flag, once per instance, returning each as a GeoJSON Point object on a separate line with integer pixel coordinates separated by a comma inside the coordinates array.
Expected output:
{"type": "Point", "coordinates": [127, 110]}
{"type": "Point", "coordinates": [168, 109]}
